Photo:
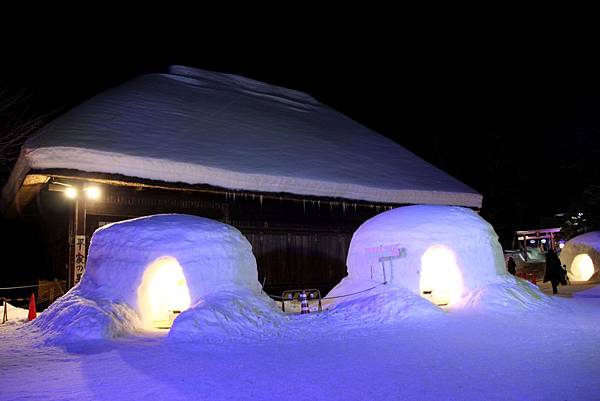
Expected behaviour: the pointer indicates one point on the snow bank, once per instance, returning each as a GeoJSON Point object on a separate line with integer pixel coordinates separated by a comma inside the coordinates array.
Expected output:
{"type": "Point", "coordinates": [506, 294]}
{"type": "Point", "coordinates": [229, 315]}
{"type": "Point", "coordinates": [579, 266]}
{"type": "Point", "coordinates": [431, 250]}
{"type": "Point", "coordinates": [383, 305]}
{"type": "Point", "coordinates": [217, 265]}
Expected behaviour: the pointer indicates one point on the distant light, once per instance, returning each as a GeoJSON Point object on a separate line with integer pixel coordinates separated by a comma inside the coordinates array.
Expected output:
{"type": "Point", "coordinates": [532, 241]}
{"type": "Point", "coordinates": [561, 245]}
{"type": "Point", "coordinates": [71, 192]}
{"type": "Point", "coordinates": [543, 241]}
{"type": "Point", "coordinates": [92, 192]}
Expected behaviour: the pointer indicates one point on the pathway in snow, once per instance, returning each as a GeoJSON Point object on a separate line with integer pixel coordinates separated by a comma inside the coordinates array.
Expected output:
{"type": "Point", "coordinates": [458, 356]}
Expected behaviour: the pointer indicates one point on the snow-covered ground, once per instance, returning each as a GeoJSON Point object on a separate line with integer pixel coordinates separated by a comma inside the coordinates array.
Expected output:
{"type": "Point", "coordinates": [549, 354]}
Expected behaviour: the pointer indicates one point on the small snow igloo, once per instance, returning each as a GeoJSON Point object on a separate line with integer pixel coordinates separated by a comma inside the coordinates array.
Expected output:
{"type": "Point", "coordinates": [156, 272]}
{"type": "Point", "coordinates": [438, 252]}
{"type": "Point", "coordinates": [581, 255]}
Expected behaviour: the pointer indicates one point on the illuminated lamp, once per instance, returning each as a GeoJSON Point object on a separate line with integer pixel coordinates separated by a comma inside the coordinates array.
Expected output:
{"type": "Point", "coordinates": [543, 241]}
{"type": "Point", "coordinates": [71, 192]}
{"type": "Point", "coordinates": [582, 267]}
{"type": "Point", "coordinates": [441, 279]}
{"type": "Point", "coordinates": [561, 244]}
{"type": "Point", "coordinates": [163, 293]}
{"type": "Point", "coordinates": [92, 193]}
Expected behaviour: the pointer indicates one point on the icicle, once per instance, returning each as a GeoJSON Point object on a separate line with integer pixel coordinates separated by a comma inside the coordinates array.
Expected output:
{"type": "Point", "coordinates": [233, 194]}
{"type": "Point", "coordinates": [354, 204]}
{"type": "Point", "coordinates": [261, 199]}
{"type": "Point", "coordinates": [304, 205]}
{"type": "Point", "coordinates": [344, 207]}
{"type": "Point", "coordinates": [319, 205]}
{"type": "Point", "coordinates": [331, 206]}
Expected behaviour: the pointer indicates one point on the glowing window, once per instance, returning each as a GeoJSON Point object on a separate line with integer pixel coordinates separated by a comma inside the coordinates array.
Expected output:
{"type": "Point", "coordinates": [582, 267]}
{"type": "Point", "coordinates": [163, 293]}
{"type": "Point", "coordinates": [441, 279]}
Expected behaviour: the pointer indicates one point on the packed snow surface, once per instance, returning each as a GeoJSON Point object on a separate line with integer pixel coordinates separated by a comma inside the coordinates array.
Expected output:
{"type": "Point", "coordinates": [219, 274]}
{"type": "Point", "coordinates": [466, 355]}
{"type": "Point", "coordinates": [202, 127]}
{"type": "Point", "coordinates": [581, 255]}
{"type": "Point", "coordinates": [460, 246]}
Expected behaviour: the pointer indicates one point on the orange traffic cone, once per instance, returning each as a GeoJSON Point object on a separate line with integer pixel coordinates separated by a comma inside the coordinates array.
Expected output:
{"type": "Point", "coordinates": [32, 313]}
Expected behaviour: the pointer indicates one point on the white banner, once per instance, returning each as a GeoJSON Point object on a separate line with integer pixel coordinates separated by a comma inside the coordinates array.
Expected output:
{"type": "Point", "coordinates": [79, 258]}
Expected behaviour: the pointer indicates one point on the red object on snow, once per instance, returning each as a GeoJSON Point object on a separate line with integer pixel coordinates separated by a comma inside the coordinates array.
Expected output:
{"type": "Point", "coordinates": [32, 313]}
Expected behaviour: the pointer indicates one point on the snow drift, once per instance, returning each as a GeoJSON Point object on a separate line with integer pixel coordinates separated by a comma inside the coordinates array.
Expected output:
{"type": "Point", "coordinates": [145, 272]}
{"type": "Point", "coordinates": [581, 254]}
{"type": "Point", "coordinates": [449, 255]}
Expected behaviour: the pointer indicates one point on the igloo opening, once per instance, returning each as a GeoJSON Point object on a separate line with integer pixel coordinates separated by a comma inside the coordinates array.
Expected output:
{"type": "Point", "coordinates": [441, 280]}
{"type": "Point", "coordinates": [582, 267]}
{"type": "Point", "coordinates": [163, 293]}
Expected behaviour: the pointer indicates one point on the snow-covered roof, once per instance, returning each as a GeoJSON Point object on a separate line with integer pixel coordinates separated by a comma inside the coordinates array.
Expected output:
{"type": "Point", "coordinates": [202, 127]}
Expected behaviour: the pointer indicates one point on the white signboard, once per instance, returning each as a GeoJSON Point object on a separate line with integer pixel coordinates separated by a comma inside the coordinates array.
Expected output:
{"type": "Point", "coordinates": [79, 258]}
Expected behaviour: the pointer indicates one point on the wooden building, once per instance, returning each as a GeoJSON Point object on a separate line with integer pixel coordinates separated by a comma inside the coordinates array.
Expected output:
{"type": "Point", "coordinates": [294, 176]}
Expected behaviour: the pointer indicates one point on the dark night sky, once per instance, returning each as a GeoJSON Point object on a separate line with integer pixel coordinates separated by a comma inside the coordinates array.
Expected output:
{"type": "Point", "coordinates": [515, 117]}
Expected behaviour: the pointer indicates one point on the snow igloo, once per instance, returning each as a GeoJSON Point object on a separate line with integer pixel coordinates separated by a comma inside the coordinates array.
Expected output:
{"type": "Point", "coordinates": [191, 274]}
{"type": "Point", "coordinates": [581, 255]}
{"type": "Point", "coordinates": [440, 253]}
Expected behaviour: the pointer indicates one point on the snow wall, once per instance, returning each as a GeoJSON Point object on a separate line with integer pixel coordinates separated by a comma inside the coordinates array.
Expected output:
{"type": "Point", "coordinates": [446, 238]}
{"type": "Point", "coordinates": [581, 254]}
{"type": "Point", "coordinates": [218, 267]}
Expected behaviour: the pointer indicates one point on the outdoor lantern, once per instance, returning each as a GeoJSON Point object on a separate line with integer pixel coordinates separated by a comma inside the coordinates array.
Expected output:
{"type": "Point", "coordinates": [71, 192]}
{"type": "Point", "coordinates": [92, 193]}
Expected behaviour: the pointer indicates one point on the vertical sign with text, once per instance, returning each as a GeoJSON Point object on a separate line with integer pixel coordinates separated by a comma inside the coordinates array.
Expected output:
{"type": "Point", "coordinates": [79, 258]}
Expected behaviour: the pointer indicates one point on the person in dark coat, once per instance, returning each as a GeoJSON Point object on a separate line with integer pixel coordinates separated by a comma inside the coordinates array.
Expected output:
{"type": "Point", "coordinates": [511, 266]}
{"type": "Point", "coordinates": [554, 271]}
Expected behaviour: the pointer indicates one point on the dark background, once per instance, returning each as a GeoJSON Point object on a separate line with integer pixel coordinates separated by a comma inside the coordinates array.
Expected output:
{"type": "Point", "coordinates": [513, 114]}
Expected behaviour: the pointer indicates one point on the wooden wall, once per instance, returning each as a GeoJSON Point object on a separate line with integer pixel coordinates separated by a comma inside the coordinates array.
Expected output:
{"type": "Point", "coordinates": [297, 243]}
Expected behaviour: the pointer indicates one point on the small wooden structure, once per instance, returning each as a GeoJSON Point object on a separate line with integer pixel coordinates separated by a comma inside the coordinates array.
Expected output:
{"type": "Point", "coordinates": [542, 237]}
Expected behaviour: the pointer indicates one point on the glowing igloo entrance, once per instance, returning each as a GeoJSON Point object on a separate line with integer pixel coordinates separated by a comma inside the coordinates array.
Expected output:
{"type": "Point", "coordinates": [582, 267]}
{"type": "Point", "coordinates": [441, 279]}
{"type": "Point", "coordinates": [163, 293]}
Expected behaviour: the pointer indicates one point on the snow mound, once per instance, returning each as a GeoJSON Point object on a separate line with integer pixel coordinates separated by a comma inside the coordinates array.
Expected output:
{"type": "Point", "coordinates": [145, 272]}
{"type": "Point", "coordinates": [386, 305]}
{"type": "Point", "coordinates": [507, 294]}
{"type": "Point", "coordinates": [229, 315]}
{"type": "Point", "coordinates": [461, 247]}
{"type": "Point", "coordinates": [75, 318]}
{"type": "Point", "coordinates": [579, 266]}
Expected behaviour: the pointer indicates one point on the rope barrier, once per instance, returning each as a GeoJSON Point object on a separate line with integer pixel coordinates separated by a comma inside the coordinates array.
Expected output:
{"type": "Point", "coordinates": [23, 286]}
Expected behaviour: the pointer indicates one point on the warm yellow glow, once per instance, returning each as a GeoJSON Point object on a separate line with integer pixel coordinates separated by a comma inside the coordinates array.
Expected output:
{"type": "Point", "coordinates": [441, 279]}
{"type": "Point", "coordinates": [582, 267]}
{"type": "Point", "coordinates": [163, 293]}
{"type": "Point", "coordinates": [71, 192]}
{"type": "Point", "coordinates": [92, 192]}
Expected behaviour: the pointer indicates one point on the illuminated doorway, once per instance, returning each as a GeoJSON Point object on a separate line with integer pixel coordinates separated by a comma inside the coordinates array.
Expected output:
{"type": "Point", "coordinates": [163, 293]}
{"type": "Point", "coordinates": [441, 280]}
{"type": "Point", "coordinates": [582, 267]}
